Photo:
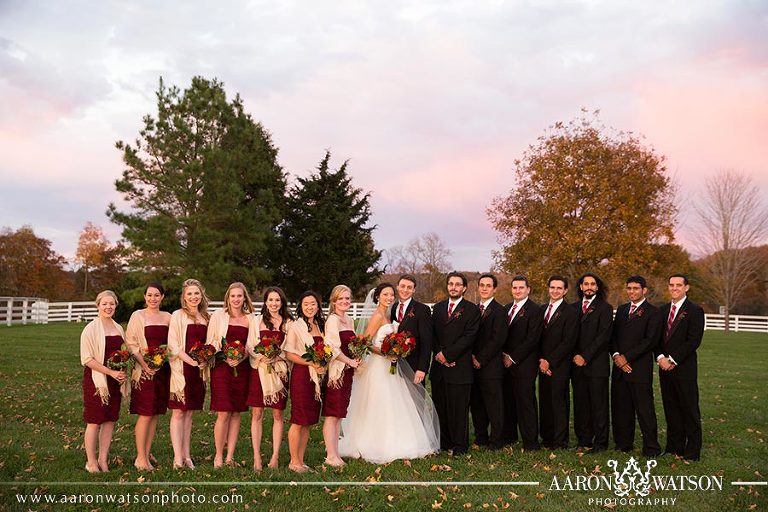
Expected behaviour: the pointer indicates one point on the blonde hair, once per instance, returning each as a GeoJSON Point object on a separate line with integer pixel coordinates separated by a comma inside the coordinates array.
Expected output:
{"type": "Point", "coordinates": [203, 307]}
{"type": "Point", "coordinates": [337, 291]}
{"type": "Point", "coordinates": [106, 293]}
{"type": "Point", "coordinates": [247, 303]}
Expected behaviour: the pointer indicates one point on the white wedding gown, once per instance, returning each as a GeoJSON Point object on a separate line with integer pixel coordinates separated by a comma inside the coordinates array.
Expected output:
{"type": "Point", "coordinates": [389, 417]}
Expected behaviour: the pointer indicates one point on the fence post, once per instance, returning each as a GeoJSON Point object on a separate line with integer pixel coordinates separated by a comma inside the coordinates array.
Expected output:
{"type": "Point", "coordinates": [69, 312]}
{"type": "Point", "coordinates": [735, 323]}
{"type": "Point", "coordinates": [24, 305]}
{"type": "Point", "coordinates": [9, 312]}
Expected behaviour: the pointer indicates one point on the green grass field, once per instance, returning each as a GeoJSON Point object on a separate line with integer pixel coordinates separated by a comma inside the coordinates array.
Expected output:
{"type": "Point", "coordinates": [42, 428]}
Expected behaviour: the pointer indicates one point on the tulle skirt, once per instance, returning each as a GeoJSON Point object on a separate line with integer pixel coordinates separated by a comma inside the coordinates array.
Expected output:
{"type": "Point", "coordinates": [389, 417]}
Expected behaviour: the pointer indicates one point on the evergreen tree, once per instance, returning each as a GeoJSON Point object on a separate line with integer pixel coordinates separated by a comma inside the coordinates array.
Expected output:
{"type": "Point", "coordinates": [205, 187]}
{"type": "Point", "coordinates": [324, 238]}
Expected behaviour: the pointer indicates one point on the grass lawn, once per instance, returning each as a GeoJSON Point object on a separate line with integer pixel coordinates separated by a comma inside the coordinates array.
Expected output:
{"type": "Point", "coordinates": [42, 429]}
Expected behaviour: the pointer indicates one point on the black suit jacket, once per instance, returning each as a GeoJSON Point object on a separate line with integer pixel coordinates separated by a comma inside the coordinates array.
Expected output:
{"type": "Point", "coordinates": [594, 335]}
{"type": "Point", "coordinates": [523, 337]}
{"type": "Point", "coordinates": [417, 320]}
{"type": "Point", "coordinates": [636, 337]}
{"type": "Point", "coordinates": [454, 337]}
{"type": "Point", "coordinates": [491, 335]}
{"type": "Point", "coordinates": [558, 338]}
{"type": "Point", "coordinates": [683, 339]}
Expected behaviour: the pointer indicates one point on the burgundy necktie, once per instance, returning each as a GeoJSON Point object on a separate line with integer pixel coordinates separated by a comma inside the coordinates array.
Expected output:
{"type": "Point", "coordinates": [450, 308]}
{"type": "Point", "coordinates": [549, 311]}
{"type": "Point", "coordinates": [584, 307]}
{"type": "Point", "coordinates": [400, 313]}
{"type": "Point", "coordinates": [632, 309]}
{"type": "Point", "coordinates": [482, 309]}
{"type": "Point", "coordinates": [512, 313]}
{"type": "Point", "coordinates": [671, 318]}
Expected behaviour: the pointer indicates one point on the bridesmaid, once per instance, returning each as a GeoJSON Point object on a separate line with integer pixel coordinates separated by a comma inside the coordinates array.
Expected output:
{"type": "Point", "coordinates": [306, 377]}
{"type": "Point", "coordinates": [268, 388]}
{"type": "Point", "coordinates": [188, 327]}
{"type": "Point", "coordinates": [229, 391]}
{"type": "Point", "coordinates": [102, 386]}
{"type": "Point", "coordinates": [339, 330]}
{"type": "Point", "coordinates": [148, 328]}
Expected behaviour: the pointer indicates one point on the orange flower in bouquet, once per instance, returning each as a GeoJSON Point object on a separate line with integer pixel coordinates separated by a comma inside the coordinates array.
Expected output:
{"type": "Point", "coordinates": [319, 353]}
{"type": "Point", "coordinates": [202, 353]}
{"type": "Point", "coordinates": [269, 347]}
{"type": "Point", "coordinates": [232, 351]}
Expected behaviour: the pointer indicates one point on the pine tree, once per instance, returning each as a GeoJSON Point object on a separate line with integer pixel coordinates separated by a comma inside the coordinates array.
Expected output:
{"type": "Point", "coordinates": [205, 187]}
{"type": "Point", "coordinates": [325, 240]}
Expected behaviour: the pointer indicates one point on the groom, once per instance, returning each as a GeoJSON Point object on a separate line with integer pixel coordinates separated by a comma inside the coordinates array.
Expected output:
{"type": "Point", "coordinates": [455, 322]}
{"type": "Point", "coordinates": [414, 317]}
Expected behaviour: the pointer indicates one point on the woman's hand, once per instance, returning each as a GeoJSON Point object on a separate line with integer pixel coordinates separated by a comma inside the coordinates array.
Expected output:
{"type": "Point", "coordinates": [354, 363]}
{"type": "Point", "coordinates": [119, 376]}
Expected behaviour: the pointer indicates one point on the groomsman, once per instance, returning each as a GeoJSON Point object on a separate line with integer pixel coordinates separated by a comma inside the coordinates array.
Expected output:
{"type": "Point", "coordinates": [591, 364]}
{"type": "Point", "coordinates": [521, 358]}
{"type": "Point", "coordinates": [416, 318]}
{"type": "Point", "coordinates": [487, 402]}
{"type": "Point", "coordinates": [636, 332]}
{"type": "Point", "coordinates": [558, 339]}
{"type": "Point", "coordinates": [455, 322]}
{"type": "Point", "coordinates": [678, 370]}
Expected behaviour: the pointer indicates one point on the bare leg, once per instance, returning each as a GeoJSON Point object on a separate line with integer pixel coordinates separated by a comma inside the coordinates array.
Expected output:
{"type": "Point", "coordinates": [257, 415]}
{"type": "Point", "coordinates": [142, 433]}
{"type": "Point", "coordinates": [187, 438]}
{"type": "Point", "coordinates": [294, 445]}
{"type": "Point", "coordinates": [331, 427]}
{"type": "Point", "coordinates": [91, 443]}
{"type": "Point", "coordinates": [150, 437]}
{"type": "Point", "coordinates": [105, 440]}
{"type": "Point", "coordinates": [303, 442]}
{"type": "Point", "coordinates": [178, 420]}
{"type": "Point", "coordinates": [277, 437]}
{"type": "Point", "coordinates": [233, 430]}
{"type": "Point", "coordinates": [220, 432]}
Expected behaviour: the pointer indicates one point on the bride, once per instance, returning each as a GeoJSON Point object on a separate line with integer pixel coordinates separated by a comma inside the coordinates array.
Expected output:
{"type": "Point", "coordinates": [389, 417]}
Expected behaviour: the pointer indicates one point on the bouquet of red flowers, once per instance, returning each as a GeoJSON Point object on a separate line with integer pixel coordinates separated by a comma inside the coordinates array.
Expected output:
{"type": "Point", "coordinates": [269, 347]}
{"type": "Point", "coordinates": [359, 346]}
{"type": "Point", "coordinates": [232, 351]}
{"type": "Point", "coordinates": [319, 353]}
{"type": "Point", "coordinates": [202, 353]}
{"type": "Point", "coordinates": [119, 360]}
{"type": "Point", "coordinates": [397, 344]}
{"type": "Point", "coordinates": [156, 357]}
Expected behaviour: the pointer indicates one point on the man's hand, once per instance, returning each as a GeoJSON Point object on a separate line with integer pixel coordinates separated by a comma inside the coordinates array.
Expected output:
{"type": "Point", "coordinates": [544, 367]}
{"type": "Point", "coordinates": [620, 360]}
{"type": "Point", "coordinates": [507, 361]}
{"type": "Point", "coordinates": [578, 360]}
{"type": "Point", "coordinates": [475, 362]}
{"type": "Point", "coordinates": [418, 377]}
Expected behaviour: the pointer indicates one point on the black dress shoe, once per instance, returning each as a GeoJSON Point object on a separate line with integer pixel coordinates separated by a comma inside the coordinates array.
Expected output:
{"type": "Point", "coordinates": [458, 450]}
{"type": "Point", "coordinates": [531, 447]}
{"type": "Point", "coordinates": [599, 448]}
{"type": "Point", "coordinates": [481, 442]}
{"type": "Point", "coordinates": [651, 454]}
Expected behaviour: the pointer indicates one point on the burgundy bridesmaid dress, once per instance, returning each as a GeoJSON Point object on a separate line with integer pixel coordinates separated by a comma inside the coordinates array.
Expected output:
{"type": "Point", "coordinates": [151, 397]}
{"type": "Point", "coordinates": [194, 388]}
{"type": "Point", "coordinates": [305, 410]}
{"type": "Point", "coordinates": [229, 392]}
{"type": "Point", "coordinates": [336, 400]}
{"type": "Point", "coordinates": [93, 410]}
{"type": "Point", "coordinates": [255, 393]}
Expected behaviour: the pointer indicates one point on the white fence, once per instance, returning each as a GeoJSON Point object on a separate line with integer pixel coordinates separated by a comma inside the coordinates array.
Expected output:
{"type": "Point", "coordinates": [32, 310]}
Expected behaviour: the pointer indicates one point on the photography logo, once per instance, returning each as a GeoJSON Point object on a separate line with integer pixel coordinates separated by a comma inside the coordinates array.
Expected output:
{"type": "Point", "coordinates": [632, 479]}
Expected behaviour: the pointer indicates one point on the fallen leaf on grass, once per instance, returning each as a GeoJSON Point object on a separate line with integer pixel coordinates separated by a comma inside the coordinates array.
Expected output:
{"type": "Point", "coordinates": [436, 505]}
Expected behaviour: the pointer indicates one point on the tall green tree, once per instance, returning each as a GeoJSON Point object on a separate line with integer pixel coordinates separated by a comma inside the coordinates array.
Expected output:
{"type": "Point", "coordinates": [325, 237]}
{"type": "Point", "coordinates": [205, 188]}
{"type": "Point", "coordinates": [586, 199]}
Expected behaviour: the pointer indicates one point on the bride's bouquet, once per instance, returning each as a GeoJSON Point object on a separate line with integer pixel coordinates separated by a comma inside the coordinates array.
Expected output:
{"type": "Point", "coordinates": [399, 345]}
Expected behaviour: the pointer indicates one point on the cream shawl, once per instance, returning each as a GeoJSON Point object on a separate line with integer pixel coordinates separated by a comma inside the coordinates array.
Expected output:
{"type": "Point", "coordinates": [92, 347]}
{"type": "Point", "coordinates": [272, 376]}
{"type": "Point", "coordinates": [297, 339]}
{"type": "Point", "coordinates": [217, 328]}
{"type": "Point", "coordinates": [335, 367]}
{"type": "Point", "coordinates": [177, 342]}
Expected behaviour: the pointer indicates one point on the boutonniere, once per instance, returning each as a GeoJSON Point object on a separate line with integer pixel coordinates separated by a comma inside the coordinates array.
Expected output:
{"type": "Point", "coordinates": [589, 310]}
{"type": "Point", "coordinates": [410, 314]}
{"type": "Point", "coordinates": [457, 314]}
{"type": "Point", "coordinates": [521, 314]}
{"type": "Point", "coordinates": [639, 313]}
{"type": "Point", "coordinates": [682, 314]}
{"type": "Point", "coordinates": [557, 314]}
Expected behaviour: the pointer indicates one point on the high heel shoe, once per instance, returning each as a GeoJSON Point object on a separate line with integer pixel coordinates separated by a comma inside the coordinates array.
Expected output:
{"type": "Point", "coordinates": [92, 469]}
{"type": "Point", "coordinates": [189, 463]}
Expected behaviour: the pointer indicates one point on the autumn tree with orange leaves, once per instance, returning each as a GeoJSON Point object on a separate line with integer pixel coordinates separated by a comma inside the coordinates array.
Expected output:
{"type": "Point", "coordinates": [587, 198]}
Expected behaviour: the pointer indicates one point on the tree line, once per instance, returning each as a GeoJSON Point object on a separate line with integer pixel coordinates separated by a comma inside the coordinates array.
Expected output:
{"type": "Point", "coordinates": [204, 195]}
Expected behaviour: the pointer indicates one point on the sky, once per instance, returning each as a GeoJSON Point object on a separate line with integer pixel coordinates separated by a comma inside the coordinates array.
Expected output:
{"type": "Point", "coordinates": [430, 101]}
